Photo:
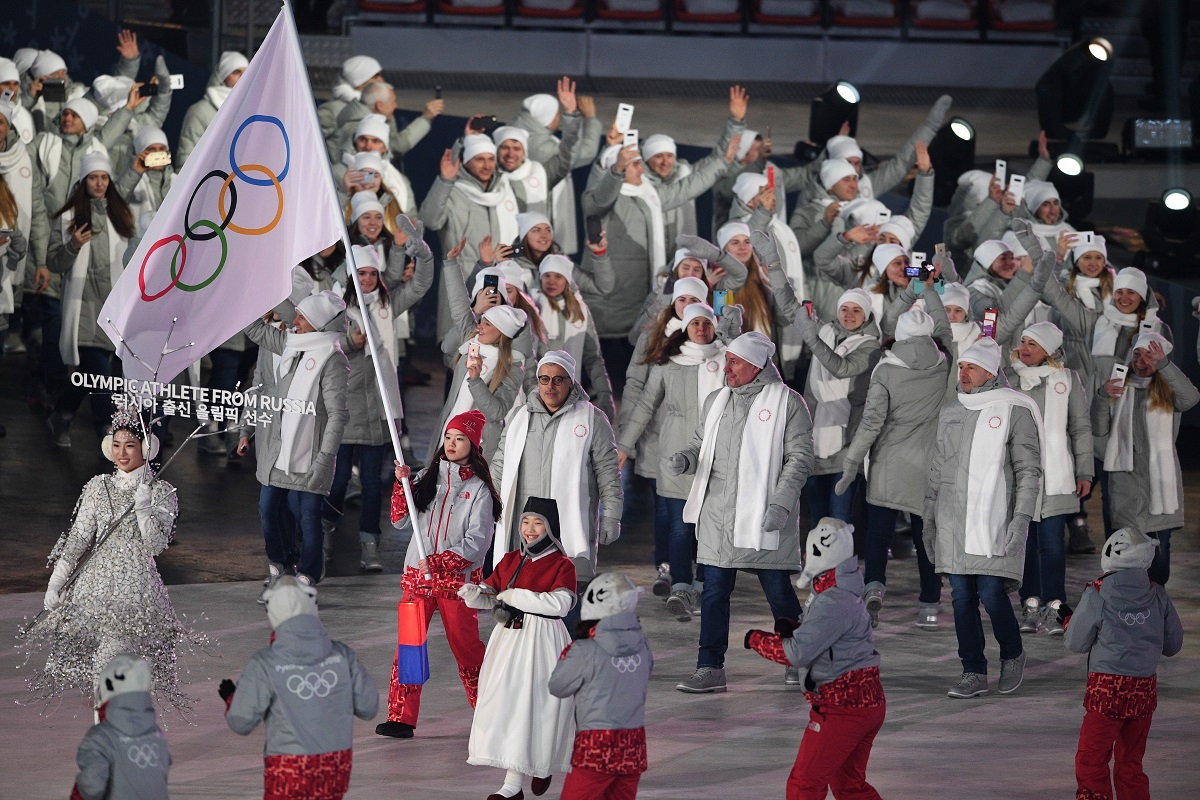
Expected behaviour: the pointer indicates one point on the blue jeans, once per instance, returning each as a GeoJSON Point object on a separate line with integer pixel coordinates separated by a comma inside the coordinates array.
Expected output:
{"type": "Point", "coordinates": [662, 527]}
{"type": "Point", "coordinates": [1105, 508]}
{"type": "Point", "coordinates": [93, 361]}
{"type": "Point", "coordinates": [50, 362]}
{"type": "Point", "coordinates": [282, 513]}
{"type": "Point", "coordinates": [1160, 567]}
{"type": "Point", "coordinates": [714, 608]}
{"type": "Point", "coordinates": [968, 591]}
{"type": "Point", "coordinates": [881, 527]}
{"type": "Point", "coordinates": [824, 502]}
{"type": "Point", "coordinates": [370, 465]}
{"type": "Point", "coordinates": [681, 539]}
{"type": "Point", "coordinates": [1046, 561]}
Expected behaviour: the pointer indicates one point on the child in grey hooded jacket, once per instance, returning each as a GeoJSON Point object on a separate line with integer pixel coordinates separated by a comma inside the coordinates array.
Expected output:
{"type": "Point", "coordinates": [1125, 623]}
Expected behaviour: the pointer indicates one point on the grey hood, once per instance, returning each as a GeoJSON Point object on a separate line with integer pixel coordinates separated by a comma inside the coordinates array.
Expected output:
{"type": "Point", "coordinates": [131, 713]}
{"type": "Point", "coordinates": [849, 577]}
{"type": "Point", "coordinates": [919, 352]}
{"type": "Point", "coordinates": [620, 634]}
{"type": "Point", "coordinates": [302, 638]}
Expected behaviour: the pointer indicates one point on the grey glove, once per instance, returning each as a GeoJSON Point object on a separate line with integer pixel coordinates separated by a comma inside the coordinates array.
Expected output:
{"type": "Point", "coordinates": [1032, 243]}
{"type": "Point", "coordinates": [1018, 529]}
{"type": "Point", "coordinates": [678, 464]}
{"type": "Point", "coordinates": [730, 325]}
{"type": "Point", "coordinates": [937, 114]}
{"type": "Point", "coordinates": [929, 537]}
{"type": "Point", "coordinates": [766, 247]}
{"type": "Point", "coordinates": [808, 327]}
{"type": "Point", "coordinates": [849, 473]}
{"type": "Point", "coordinates": [697, 247]}
{"type": "Point", "coordinates": [949, 271]}
{"type": "Point", "coordinates": [320, 473]}
{"type": "Point", "coordinates": [775, 518]}
{"type": "Point", "coordinates": [610, 529]}
{"type": "Point", "coordinates": [18, 245]}
{"type": "Point", "coordinates": [415, 233]}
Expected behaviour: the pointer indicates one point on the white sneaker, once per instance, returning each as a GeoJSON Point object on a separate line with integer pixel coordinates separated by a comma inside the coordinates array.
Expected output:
{"type": "Point", "coordinates": [927, 616]}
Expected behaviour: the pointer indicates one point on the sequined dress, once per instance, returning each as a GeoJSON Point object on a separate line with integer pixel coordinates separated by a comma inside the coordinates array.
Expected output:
{"type": "Point", "coordinates": [118, 603]}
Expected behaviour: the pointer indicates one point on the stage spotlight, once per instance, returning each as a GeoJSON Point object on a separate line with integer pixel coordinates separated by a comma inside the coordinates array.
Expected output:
{"type": "Point", "coordinates": [1172, 231]}
{"type": "Point", "coordinates": [1076, 186]}
{"type": "Point", "coordinates": [836, 105]}
{"type": "Point", "coordinates": [1176, 199]}
{"type": "Point", "coordinates": [1100, 49]}
{"type": "Point", "coordinates": [952, 152]}
{"type": "Point", "coordinates": [1075, 95]}
{"type": "Point", "coordinates": [1069, 164]}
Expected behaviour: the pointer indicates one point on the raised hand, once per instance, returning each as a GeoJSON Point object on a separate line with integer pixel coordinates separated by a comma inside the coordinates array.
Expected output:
{"type": "Point", "coordinates": [449, 166]}
{"type": "Point", "coordinates": [738, 102]}
{"type": "Point", "coordinates": [127, 44]}
{"type": "Point", "coordinates": [731, 149]}
{"type": "Point", "coordinates": [924, 164]}
{"type": "Point", "coordinates": [587, 106]}
{"type": "Point", "coordinates": [566, 95]}
{"type": "Point", "coordinates": [625, 158]}
{"type": "Point", "coordinates": [456, 251]}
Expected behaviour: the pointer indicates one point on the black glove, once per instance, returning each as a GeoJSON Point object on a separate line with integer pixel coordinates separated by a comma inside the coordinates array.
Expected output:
{"type": "Point", "coordinates": [786, 627]}
{"type": "Point", "coordinates": [226, 689]}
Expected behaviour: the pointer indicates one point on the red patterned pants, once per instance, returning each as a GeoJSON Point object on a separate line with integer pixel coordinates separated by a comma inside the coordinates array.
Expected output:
{"type": "Point", "coordinates": [834, 753]}
{"type": "Point", "coordinates": [320, 777]}
{"type": "Point", "coordinates": [462, 633]}
{"type": "Point", "coordinates": [588, 784]}
{"type": "Point", "coordinates": [1099, 737]}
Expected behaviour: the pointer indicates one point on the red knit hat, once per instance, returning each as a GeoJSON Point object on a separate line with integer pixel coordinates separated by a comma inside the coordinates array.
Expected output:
{"type": "Point", "coordinates": [471, 424]}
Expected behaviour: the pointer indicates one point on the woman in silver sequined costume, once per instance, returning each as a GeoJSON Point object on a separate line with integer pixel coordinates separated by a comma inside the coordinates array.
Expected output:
{"type": "Point", "coordinates": [118, 603]}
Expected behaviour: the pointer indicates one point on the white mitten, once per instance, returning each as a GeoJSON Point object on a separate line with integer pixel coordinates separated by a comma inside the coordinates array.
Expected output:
{"type": "Point", "coordinates": [58, 579]}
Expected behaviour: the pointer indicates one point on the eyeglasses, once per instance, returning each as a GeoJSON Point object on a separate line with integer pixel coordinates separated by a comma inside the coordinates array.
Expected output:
{"type": "Point", "coordinates": [558, 380]}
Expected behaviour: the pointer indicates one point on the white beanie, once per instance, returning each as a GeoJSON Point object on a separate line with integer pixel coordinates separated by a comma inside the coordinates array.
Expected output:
{"type": "Point", "coordinates": [608, 157]}
{"type": "Point", "coordinates": [230, 62]}
{"type": "Point", "coordinates": [366, 256]}
{"type": "Point", "coordinates": [321, 309]}
{"type": "Point", "coordinates": [148, 135]}
{"type": "Point", "coordinates": [559, 358]}
{"type": "Point", "coordinates": [698, 310]}
{"type": "Point", "coordinates": [748, 185]}
{"type": "Point", "coordinates": [1046, 334]}
{"type": "Point", "coordinates": [690, 287]}
{"type": "Point", "coordinates": [956, 294]}
{"type": "Point", "coordinates": [46, 62]}
{"type": "Point", "coordinates": [505, 132]}
{"type": "Point", "coordinates": [730, 230]}
{"type": "Point", "coordinates": [373, 125]}
{"type": "Point", "coordinates": [859, 297]}
{"type": "Point", "coordinates": [477, 144]}
{"type": "Point", "coordinates": [477, 287]}
{"type": "Point", "coordinates": [1010, 240]}
{"type": "Point", "coordinates": [362, 202]}
{"type": "Point", "coordinates": [1098, 245]}
{"type": "Point", "coordinates": [1132, 278]}
{"type": "Point", "coordinates": [657, 144]}
{"type": "Point", "coordinates": [289, 598]}
{"type": "Point", "coordinates": [8, 71]}
{"type": "Point", "coordinates": [885, 254]}
{"type": "Point", "coordinates": [357, 70]}
{"type": "Point", "coordinates": [988, 251]}
{"type": "Point", "coordinates": [983, 353]}
{"type": "Point", "coordinates": [1038, 192]}
{"type": "Point", "coordinates": [111, 91]}
{"type": "Point", "coordinates": [24, 58]}
{"type": "Point", "coordinates": [506, 319]}
{"type": "Point", "coordinates": [828, 544]}
{"type": "Point", "coordinates": [745, 143]}
{"type": "Point", "coordinates": [94, 162]}
{"type": "Point", "coordinates": [513, 274]}
{"type": "Point", "coordinates": [528, 220]}
{"type": "Point", "coordinates": [84, 109]}
{"type": "Point", "coordinates": [866, 212]}
{"type": "Point", "coordinates": [1142, 342]}
{"type": "Point", "coordinates": [124, 674]}
{"type": "Point", "coordinates": [844, 147]}
{"type": "Point", "coordinates": [558, 264]}
{"type": "Point", "coordinates": [1127, 549]}
{"type": "Point", "coordinates": [976, 182]}
{"type": "Point", "coordinates": [608, 594]}
{"type": "Point", "coordinates": [902, 228]}
{"type": "Point", "coordinates": [913, 323]}
{"type": "Point", "coordinates": [753, 347]}
{"type": "Point", "coordinates": [302, 285]}
{"type": "Point", "coordinates": [833, 170]}
{"type": "Point", "coordinates": [682, 254]}
{"type": "Point", "coordinates": [368, 160]}
{"type": "Point", "coordinates": [542, 107]}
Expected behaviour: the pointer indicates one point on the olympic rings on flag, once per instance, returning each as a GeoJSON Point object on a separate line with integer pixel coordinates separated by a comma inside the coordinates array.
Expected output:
{"type": "Point", "coordinates": [220, 266]}
{"type": "Point", "coordinates": [287, 149]}
{"type": "Point", "coordinates": [228, 185]}
{"type": "Point", "coordinates": [149, 298]}
{"type": "Point", "coordinates": [226, 218]}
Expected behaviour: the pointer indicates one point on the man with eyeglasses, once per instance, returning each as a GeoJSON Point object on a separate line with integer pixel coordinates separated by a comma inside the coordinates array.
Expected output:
{"type": "Point", "coordinates": [559, 445]}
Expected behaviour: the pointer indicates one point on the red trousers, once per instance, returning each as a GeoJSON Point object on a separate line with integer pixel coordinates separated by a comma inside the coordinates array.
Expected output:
{"type": "Point", "coordinates": [320, 777]}
{"type": "Point", "coordinates": [588, 784]}
{"type": "Point", "coordinates": [462, 633]}
{"type": "Point", "coordinates": [834, 753]}
{"type": "Point", "coordinates": [1098, 737]}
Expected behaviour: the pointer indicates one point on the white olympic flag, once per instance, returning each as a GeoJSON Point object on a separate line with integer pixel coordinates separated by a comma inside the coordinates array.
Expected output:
{"type": "Point", "coordinates": [254, 199]}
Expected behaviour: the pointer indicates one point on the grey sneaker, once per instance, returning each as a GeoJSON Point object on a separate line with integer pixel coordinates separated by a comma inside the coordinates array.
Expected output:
{"type": "Point", "coordinates": [679, 604]}
{"type": "Point", "coordinates": [703, 681]}
{"type": "Point", "coordinates": [873, 597]}
{"type": "Point", "coordinates": [1012, 671]}
{"type": "Point", "coordinates": [370, 557]}
{"type": "Point", "coordinates": [1031, 615]}
{"type": "Point", "coordinates": [274, 573]}
{"type": "Point", "coordinates": [791, 676]}
{"type": "Point", "coordinates": [1052, 619]}
{"type": "Point", "coordinates": [662, 581]}
{"type": "Point", "coordinates": [927, 616]}
{"type": "Point", "coordinates": [971, 684]}
{"type": "Point", "coordinates": [329, 531]}
{"type": "Point", "coordinates": [60, 428]}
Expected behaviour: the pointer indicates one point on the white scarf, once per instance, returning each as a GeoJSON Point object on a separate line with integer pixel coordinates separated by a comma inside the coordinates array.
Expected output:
{"type": "Point", "coordinates": [147, 197]}
{"type": "Point", "coordinates": [759, 463]}
{"type": "Point", "coordinates": [1160, 430]}
{"type": "Point", "coordinates": [304, 356]}
{"type": "Point", "coordinates": [568, 478]}
{"type": "Point", "coordinates": [345, 92]}
{"type": "Point", "coordinates": [1059, 460]}
{"type": "Point", "coordinates": [1087, 290]}
{"type": "Point", "coordinates": [679, 214]}
{"type": "Point", "coordinates": [562, 215]}
{"type": "Point", "coordinates": [72, 293]}
{"type": "Point", "coordinates": [709, 360]}
{"type": "Point", "coordinates": [50, 154]}
{"type": "Point", "coordinates": [562, 334]}
{"type": "Point", "coordinates": [1108, 329]}
{"type": "Point", "coordinates": [866, 190]}
{"type": "Point", "coordinates": [383, 325]}
{"type": "Point", "coordinates": [791, 345]}
{"type": "Point", "coordinates": [16, 167]}
{"type": "Point", "coordinates": [217, 94]}
{"type": "Point", "coordinates": [464, 401]}
{"type": "Point", "coordinates": [987, 497]}
{"type": "Point", "coordinates": [652, 208]}
{"type": "Point", "coordinates": [1049, 233]}
{"type": "Point", "coordinates": [532, 175]}
{"type": "Point", "coordinates": [501, 200]}
{"type": "Point", "coordinates": [832, 413]}
{"type": "Point", "coordinates": [398, 186]}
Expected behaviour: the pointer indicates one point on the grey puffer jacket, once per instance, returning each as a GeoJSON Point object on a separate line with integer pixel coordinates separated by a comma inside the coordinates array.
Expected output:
{"type": "Point", "coordinates": [835, 635]}
{"type": "Point", "coordinates": [543, 144]}
{"type": "Point", "coordinates": [1014, 299]}
{"type": "Point", "coordinates": [1078, 323]}
{"type": "Point", "coordinates": [683, 218]}
{"type": "Point", "coordinates": [125, 757]}
{"type": "Point", "coordinates": [1130, 500]}
{"type": "Point", "coordinates": [307, 688]}
{"type": "Point", "coordinates": [898, 425]}
{"type": "Point", "coordinates": [718, 515]}
{"type": "Point", "coordinates": [605, 496]}
{"type": "Point", "coordinates": [98, 281]}
{"type": "Point", "coordinates": [458, 519]}
{"type": "Point", "coordinates": [946, 495]}
{"type": "Point", "coordinates": [558, 165]}
{"type": "Point", "coordinates": [332, 415]}
{"type": "Point", "coordinates": [399, 141]}
{"type": "Point", "coordinates": [608, 675]}
{"type": "Point", "coordinates": [970, 221]}
{"type": "Point", "coordinates": [1125, 626]}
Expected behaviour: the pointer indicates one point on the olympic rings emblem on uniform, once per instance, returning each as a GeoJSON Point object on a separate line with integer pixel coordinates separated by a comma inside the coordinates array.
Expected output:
{"type": "Point", "coordinates": [581, 431]}
{"type": "Point", "coordinates": [1134, 618]}
{"type": "Point", "coordinates": [995, 422]}
{"type": "Point", "coordinates": [764, 415]}
{"type": "Point", "coordinates": [143, 755]}
{"type": "Point", "coordinates": [1060, 387]}
{"type": "Point", "coordinates": [306, 687]}
{"type": "Point", "coordinates": [626, 664]}
{"type": "Point", "coordinates": [203, 230]}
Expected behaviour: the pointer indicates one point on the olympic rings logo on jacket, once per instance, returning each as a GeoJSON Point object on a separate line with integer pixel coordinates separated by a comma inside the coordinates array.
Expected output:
{"type": "Point", "coordinates": [314, 684]}
{"type": "Point", "coordinates": [143, 755]}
